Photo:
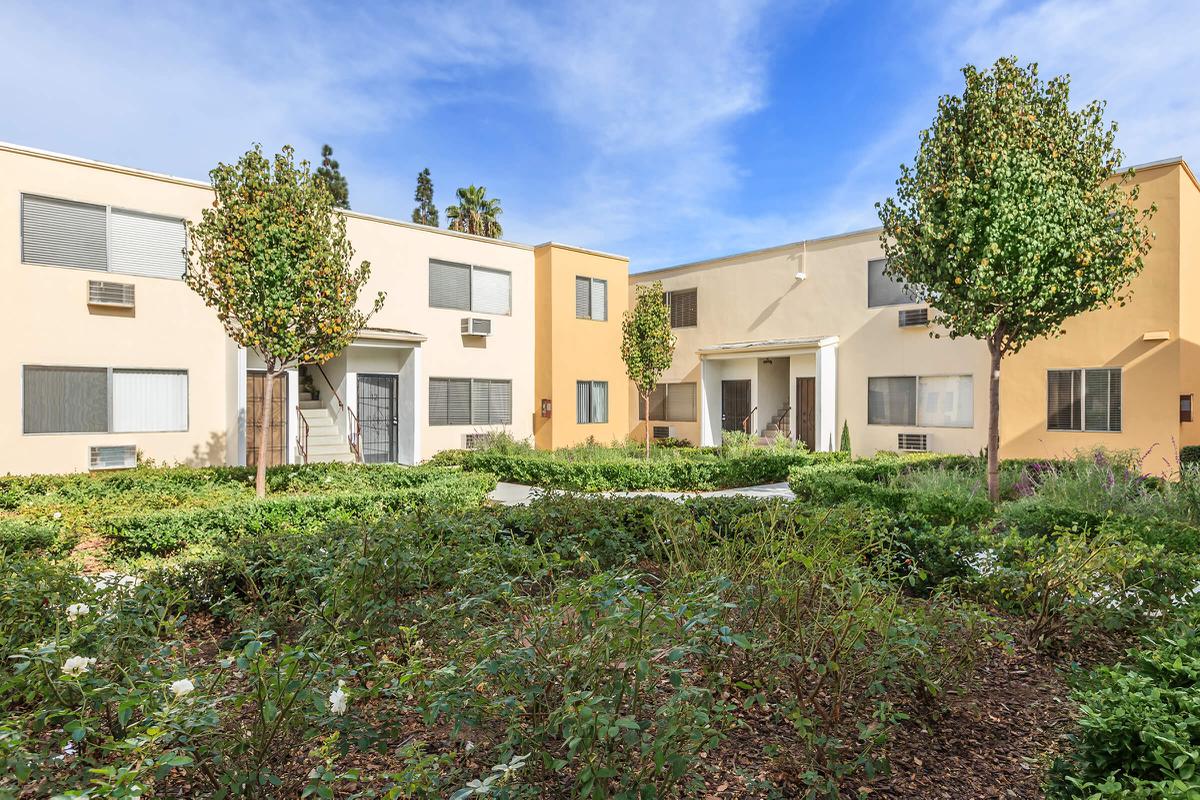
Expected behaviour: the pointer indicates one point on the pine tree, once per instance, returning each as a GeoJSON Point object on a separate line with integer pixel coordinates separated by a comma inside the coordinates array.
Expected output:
{"type": "Point", "coordinates": [426, 213]}
{"type": "Point", "coordinates": [335, 181]}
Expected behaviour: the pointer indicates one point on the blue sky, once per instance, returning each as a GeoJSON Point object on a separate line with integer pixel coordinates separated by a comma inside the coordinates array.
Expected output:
{"type": "Point", "coordinates": [664, 131]}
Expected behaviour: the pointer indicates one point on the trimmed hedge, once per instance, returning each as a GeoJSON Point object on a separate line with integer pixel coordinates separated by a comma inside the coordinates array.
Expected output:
{"type": "Point", "coordinates": [19, 536]}
{"type": "Point", "coordinates": [698, 473]}
{"type": "Point", "coordinates": [164, 531]}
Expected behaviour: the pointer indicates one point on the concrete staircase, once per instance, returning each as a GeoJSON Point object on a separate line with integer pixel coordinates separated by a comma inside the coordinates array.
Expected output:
{"type": "Point", "coordinates": [325, 441]}
{"type": "Point", "coordinates": [781, 422]}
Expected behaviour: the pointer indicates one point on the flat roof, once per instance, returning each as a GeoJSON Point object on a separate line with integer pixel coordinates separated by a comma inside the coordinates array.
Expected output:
{"type": "Point", "coordinates": [761, 345]}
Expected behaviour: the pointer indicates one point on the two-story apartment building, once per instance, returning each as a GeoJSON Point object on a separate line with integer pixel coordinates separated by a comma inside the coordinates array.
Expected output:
{"type": "Point", "coordinates": [109, 355]}
{"type": "Point", "coordinates": [804, 337]}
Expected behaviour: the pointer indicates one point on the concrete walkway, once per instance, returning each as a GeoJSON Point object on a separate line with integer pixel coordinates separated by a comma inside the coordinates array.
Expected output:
{"type": "Point", "coordinates": [517, 494]}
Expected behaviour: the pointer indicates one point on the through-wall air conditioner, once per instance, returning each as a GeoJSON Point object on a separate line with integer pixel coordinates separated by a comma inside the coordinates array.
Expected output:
{"type": "Point", "coordinates": [663, 432]}
{"type": "Point", "coordinates": [914, 317]}
{"type": "Point", "coordinates": [112, 457]}
{"type": "Point", "coordinates": [912, 442]}
{"type": "Point", "coordinates": [476, 326]}
{"type": "Point", "coordinates": [474, 441]}
{"type": "Point", "coordinates": [110, 294]}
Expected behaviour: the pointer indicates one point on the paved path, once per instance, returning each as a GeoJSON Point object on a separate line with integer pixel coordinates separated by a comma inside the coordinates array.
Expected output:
{"type": "Point", "coordinates": [517, 494]}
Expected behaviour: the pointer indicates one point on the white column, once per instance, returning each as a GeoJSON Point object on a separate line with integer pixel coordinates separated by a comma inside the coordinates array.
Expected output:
{"type": "Point", "coordinates": [293, 426]}
{"type": "Point", "coordinates": [240, 455]}
{"type": "Point", "coordinates": [826, 390]}
{"type": "Point", "coordinates": [418, 408]}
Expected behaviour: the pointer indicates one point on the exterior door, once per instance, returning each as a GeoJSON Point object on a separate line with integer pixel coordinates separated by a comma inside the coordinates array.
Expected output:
{"type": "Point", "coordinates": [256, 383]}
{"type": "Point", "coordinates": [378, 416]}
{"type": "Point", "coordinates": [806, 411]}
{"type": "Point", "coordinates": [735, 404]}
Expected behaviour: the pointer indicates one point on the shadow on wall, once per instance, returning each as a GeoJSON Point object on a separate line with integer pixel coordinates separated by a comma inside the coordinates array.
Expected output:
{"type": "Point", "coordinates": [210, 453]}
{"type": "Point", "coordinates": [773, 306]}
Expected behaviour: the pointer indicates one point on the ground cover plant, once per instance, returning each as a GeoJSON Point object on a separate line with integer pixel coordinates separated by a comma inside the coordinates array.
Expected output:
{"type": "Point", "coordinates": [890, 632]}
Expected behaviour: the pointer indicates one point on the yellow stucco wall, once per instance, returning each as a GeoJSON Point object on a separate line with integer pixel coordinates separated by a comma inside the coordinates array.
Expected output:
{"type": "Point", "coordinates": [570, 349]}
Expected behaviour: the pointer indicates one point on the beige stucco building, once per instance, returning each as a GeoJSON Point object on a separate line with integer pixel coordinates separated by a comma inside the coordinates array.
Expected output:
{"type": "Point", "coordinates": [109, 354]}
{"type": "Point", "coordinates": [805, 337]}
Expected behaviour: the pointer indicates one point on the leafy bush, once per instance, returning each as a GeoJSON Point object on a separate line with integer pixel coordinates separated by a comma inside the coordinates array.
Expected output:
{"type": "Point", "coordinates": [19, 536]}
{"type": "Point", "coordinates": [1139, 729]}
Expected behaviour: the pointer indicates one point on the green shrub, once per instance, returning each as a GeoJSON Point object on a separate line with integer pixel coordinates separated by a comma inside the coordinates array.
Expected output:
{"type": "Point", "coordinates": [19, 536]}
{"type": "Point", "coordinates": [1138, 733]}
{"type": "Point", "coordinates": [1189, 454]}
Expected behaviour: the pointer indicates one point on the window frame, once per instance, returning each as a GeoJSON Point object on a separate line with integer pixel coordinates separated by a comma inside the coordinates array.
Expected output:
{"type": "Point", "coordinates": [470, 309]}
{"type": "Point", "coordinates": [470, 401]}
{"type": "Point", "coordinates": [591, 282]}
{"type": "Point", "coordinates": [108, 260]}
{"type": "Point", "coordinates": [1083, 426]}
{"type": "Point", "coordinates": [109, 399]}
{"type": "Point", "coordinates": [591, 402]}
{"type": "Point", "coordinates": [917, 421]}
{"type": "Point", "coordinates": [910, 301]}
{"type": "Point", "coordinates": [667, 298]}
{"type": "Point", "coordinates": [666, 388]}
{"type": "Point", "coordinates": [1184, 416]}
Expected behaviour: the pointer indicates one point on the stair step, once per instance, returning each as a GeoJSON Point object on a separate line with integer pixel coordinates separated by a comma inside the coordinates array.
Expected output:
{"type": "Point", "coordinates": [307, 403]}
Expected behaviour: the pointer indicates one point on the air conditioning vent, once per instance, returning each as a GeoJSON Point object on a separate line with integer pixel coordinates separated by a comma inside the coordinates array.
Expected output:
{"type": "Point", "coordinates": [914, 317]}
{"type": "Point", "coordinates": [913, 442]}
{"type": "Point", "coordinates": [112, 457]}
{"type": "Point", "coordinates": [475, 326]}
{"type": "Point", "coordinates": [474, 441]}
{"type": "Point", "coordinates": [108, 293]}
{"type": "Point", "coordinates": [663, 432]}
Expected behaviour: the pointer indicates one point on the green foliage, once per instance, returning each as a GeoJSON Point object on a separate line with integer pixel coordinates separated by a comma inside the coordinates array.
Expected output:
{"type": "Point", "coordinates": [844, 445]}
{"type": "Point", "coordinates": [1139, 729]}
{"type": "Point", "coordinates": [330, 173]}
{"type": "Point", "coordinates": [426, 213]}
{"type": "Point", "coordinates": [1009, 221]}
{"type": "Point", "coordinates": [20, 536]}
{"type": "Point", "coordinates": [476, 213]}
{"type": "Point", "coordinates": [273, 259]}
{"type": "Point", "coordinates": [1189, 454]}
{"type": "Point", "coordinates": [647, 342]}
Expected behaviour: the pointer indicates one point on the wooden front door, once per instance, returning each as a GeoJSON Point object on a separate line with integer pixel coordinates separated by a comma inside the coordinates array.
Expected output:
{"type": "Point", "coordinates": [806, 412]}
{"type": "Point", "coordinates": [735, 404]}
{"type": "Point", "coordinates": [377, 414]}
{"type": "Point", "coordinates": [256, 382]}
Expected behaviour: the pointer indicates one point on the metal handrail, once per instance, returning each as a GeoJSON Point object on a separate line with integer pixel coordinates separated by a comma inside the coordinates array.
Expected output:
{"type": "Point", "coordinates": [746, 421]}
{"type": "Point", "coordinates": [302, 436]}
{"type": "Point", "coordinates": [354, 429]}
{"type": "Point", "coordinates": [332, 388]}
{"type": "Point", "coordinates": [781, 416]}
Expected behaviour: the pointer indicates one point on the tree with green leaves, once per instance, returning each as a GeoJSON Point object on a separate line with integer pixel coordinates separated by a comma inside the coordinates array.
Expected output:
{"type": "Point", "coordinates": [647, 343]}
{"type": "Point", "coordinates": [272, 258]}
{"type": "Point", "coordinates": [426, 213]}
{"type": "Point", "coordinates": [330, 172]}
{"type": "Point", "coordinates": [476, 213]}
{"type": "Point", "coordinates": [1013, 217]}
{"type": "Point", "coordinates": [844, 445]}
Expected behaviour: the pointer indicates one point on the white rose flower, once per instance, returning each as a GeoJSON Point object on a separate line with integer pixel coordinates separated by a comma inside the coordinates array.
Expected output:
{"type": "Point", "coordinates": [77, 665]}
{"type": "Point", "coordinates": [182, 687]}
{"type": "Point", "coordinates": [58, 515]}
{"type": "Point", "coordinates": [337, 700]}
{"type": "Point", "coordinates": [77, 610]}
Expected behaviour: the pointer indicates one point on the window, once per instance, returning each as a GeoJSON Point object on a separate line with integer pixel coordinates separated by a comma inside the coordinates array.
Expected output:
{"type": "Point", "coordinates": [481, 290]}
{"type": "Point", "coordinates": [671, 402]}
{"type": "Point", "coordinates": [62, 233]}
{"type": "Point", "coordinates": [892, 401]}
{"type": "Point", "coordinates": [682, 305]}
{"type": "Point", "coordinates": [882, 290]}
{"type": "Point", "coordinates": [591, 298]}
{"type": "Point", "coordinates": [1185, 408]}
{"type": "Point", "coordinates": [1084, 399]}
{"type": "Point", "coordinates": [936, 401]}
{"type": "Point", "coordinates": [470, 401]}
{"type": "Point", "coordinates": [591, 402]}
{"type": "Point", "coordinates": [101, 400]}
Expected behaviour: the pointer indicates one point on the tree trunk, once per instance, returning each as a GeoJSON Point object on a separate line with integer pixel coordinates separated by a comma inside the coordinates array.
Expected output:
{"type": "Point", "coordinates": [264, 434]}
{"type": "Point", "coordinates": [993, 440]}
{"type": "Point", "coordinates": [646, 400]}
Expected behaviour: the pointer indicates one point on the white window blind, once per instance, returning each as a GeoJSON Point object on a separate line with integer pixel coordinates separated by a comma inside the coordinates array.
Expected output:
{"type": "Point", "coordinates": [145, 400]}
{"type": "Point", "coordinates": [946, 401]}
{"type": "Point", "coordinates": [65, 400]}
{"type": "Point", "coordinates": [892, 401]}
{"type": "Point", "coordinates": [470, 401]}
{"type": "Point", "coordinates": [449, 285]}
{"type": "Point", "coordinates": [63, 234]}
{"type": "Point", "coordinates": [583, 297]}
{"type": "Point", "coordinates": [491, 291]}
{"type": "Point", "coordinates": [599, 299]}
{"type": "Point", "coordinates": [143, 244]}
{"type": "Point", "coordinates": [591, 402]}
{"type": "Point", "coordinates": [500, 403]}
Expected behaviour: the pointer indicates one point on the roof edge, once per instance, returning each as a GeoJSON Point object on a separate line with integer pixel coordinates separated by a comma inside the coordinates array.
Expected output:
{"type": "Point", "coordinates": [585, 250]}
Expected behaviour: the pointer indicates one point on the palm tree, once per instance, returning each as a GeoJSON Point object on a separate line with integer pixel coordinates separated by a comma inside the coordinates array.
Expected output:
{"type": "Point", "coordinates": [476, 213]}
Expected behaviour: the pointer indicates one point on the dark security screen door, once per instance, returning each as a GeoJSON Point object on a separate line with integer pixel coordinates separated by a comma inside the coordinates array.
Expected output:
{"type": "Point", "coordinates": [735, 404]}
{"type": "Point", "coordinates": [377, 416]}
{"type": "Point", "coordinates": [806, 411]}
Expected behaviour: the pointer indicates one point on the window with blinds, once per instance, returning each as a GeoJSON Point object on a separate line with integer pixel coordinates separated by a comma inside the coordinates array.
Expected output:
{"type": "Point", "coordinates": [892, 401]}
{"type": "Point", "coordinates": [591, 298]}
{"type": "Point", "coordinates": [103, 400]}
{"type": "Point", "coordinates": [63, 233]}
{"type": "Point", "coordinates": [934, 401]}
{"type": "Point", "coordinates": [881, 289]}
{"type": "Point", "coordinates": [470, 401]}
{"type": "Point", "coordinates": [681, 304]}
{"type": "Point", "coordinates": [463, 287]}
{"type": "Point", "coordinates": [1084, 399]}
{"type": "Point", "coordinates": [591, 402]}
{"type": "Point", "coordinates": [671, 402]}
